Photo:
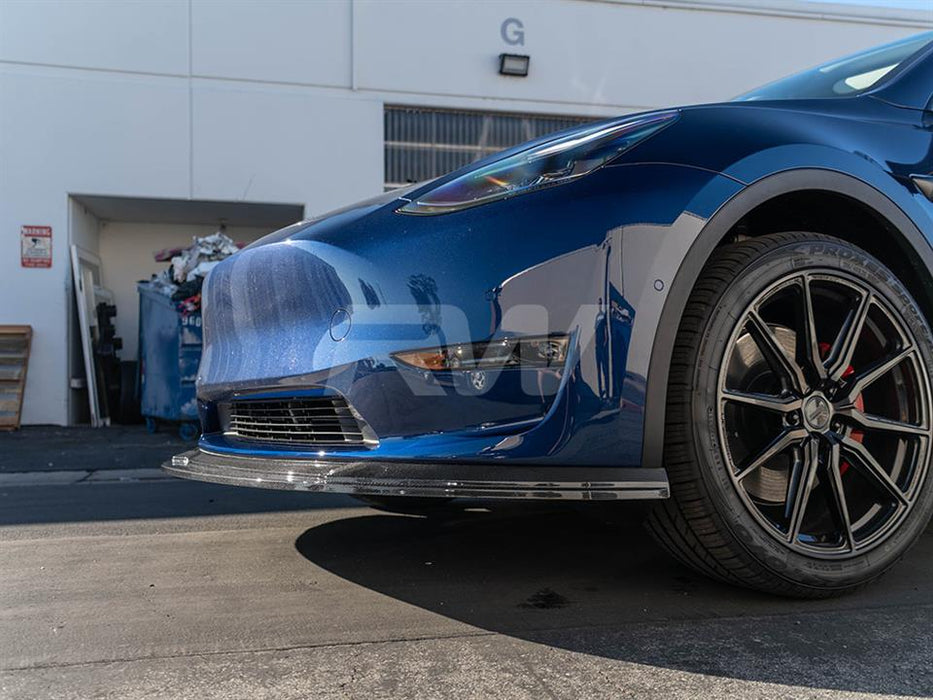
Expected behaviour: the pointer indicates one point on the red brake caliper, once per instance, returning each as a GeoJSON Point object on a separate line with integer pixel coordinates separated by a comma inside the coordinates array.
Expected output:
{"type": "Point", "coordinates": [856, 435]}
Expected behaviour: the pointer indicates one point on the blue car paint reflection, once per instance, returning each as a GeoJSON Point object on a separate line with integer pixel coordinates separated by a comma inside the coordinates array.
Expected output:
{"type": "Point", "coordinates": [270, 306]}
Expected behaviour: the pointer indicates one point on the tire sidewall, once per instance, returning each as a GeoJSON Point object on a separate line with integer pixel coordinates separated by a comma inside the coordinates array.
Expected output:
{"type": "Point", "coordinates": [783, 260]}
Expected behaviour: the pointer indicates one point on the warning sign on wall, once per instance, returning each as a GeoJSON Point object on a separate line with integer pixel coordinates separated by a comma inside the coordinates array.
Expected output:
{"type": "Point", "coordinates": [36, 246]}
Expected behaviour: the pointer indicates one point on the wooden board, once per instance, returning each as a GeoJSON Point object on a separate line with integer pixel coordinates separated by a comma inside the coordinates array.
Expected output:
{"type": "Point", "coordinates": [15, 343]}
{"type": "Point", "coordinates": [86, 269]}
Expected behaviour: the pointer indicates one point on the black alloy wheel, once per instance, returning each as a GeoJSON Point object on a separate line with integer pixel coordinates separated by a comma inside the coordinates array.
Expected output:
{"type": "Point", "coordinates": [799, 419]}
{"type": "Point", "coordinates": [824, 414]}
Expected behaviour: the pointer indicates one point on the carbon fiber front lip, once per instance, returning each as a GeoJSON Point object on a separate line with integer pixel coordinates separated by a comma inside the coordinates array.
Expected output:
{"type": "Point", "coordinates": [440, 479]}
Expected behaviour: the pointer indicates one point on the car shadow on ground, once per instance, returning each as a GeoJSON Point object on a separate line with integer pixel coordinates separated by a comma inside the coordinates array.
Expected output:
{"type": "Point", "coordinates": [591, 581]}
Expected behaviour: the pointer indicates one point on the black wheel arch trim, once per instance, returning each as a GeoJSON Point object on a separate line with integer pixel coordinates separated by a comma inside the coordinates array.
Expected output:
{"type": "Point", "coordinates": [711, 236]}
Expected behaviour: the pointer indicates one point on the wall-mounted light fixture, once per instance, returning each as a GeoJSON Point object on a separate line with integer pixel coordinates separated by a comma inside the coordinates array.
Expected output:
{"type": "Point", "coordinates": [514, 64]}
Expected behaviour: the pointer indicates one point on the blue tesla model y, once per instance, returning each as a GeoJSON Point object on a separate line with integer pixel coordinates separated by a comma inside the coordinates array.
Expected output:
{"type": "Point", "coordinates": [723, 308]}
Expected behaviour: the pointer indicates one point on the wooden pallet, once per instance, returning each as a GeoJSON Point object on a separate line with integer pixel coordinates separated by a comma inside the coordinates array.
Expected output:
{"type": "Point", "coordinates": [15, 342]}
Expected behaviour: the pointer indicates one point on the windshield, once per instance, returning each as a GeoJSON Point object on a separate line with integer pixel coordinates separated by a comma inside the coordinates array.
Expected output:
{"type": "Point", "coordinates": [844, 77]}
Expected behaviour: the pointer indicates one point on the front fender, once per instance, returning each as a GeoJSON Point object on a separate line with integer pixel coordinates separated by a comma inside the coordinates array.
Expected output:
{"type": "Point", "coordinates": [880, 192]}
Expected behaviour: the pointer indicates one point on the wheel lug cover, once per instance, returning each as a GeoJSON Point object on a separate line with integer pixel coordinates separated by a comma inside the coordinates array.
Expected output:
{"type": "Point", "coordinates": [817, 413]}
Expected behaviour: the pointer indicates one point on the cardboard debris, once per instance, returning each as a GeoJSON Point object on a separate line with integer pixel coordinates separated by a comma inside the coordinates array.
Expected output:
{"type": "Point", "coordinates": [191, 262]}
{"type": "Point", "coordinates": [182, 280]}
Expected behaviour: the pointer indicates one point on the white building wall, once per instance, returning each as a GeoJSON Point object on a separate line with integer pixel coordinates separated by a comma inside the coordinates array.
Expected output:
{"type": "Point", "coordinates": [283, 143]}
{"type": "Point", "coordinates": [281, 101]}
{"type": "Point", "coordinates": [303, 43]}
{"type": "Point", "coordinates": [604, 57]}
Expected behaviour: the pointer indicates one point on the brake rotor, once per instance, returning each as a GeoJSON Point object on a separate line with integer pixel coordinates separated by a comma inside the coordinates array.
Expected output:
{"type": "Point", "coordinates": [768, 484]}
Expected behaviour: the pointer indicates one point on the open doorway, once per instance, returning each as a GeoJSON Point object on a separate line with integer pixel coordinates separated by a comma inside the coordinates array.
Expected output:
{"type": "Point", "coordinates": [126, 235]}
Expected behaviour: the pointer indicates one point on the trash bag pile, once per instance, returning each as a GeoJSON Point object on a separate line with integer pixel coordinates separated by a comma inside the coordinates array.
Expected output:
{"type": "Point", "coordinates": [183, 278]}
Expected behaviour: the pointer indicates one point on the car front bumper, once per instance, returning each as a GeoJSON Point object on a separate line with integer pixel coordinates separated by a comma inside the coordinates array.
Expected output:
{"type": "Point", "coordinates": [450, 479]}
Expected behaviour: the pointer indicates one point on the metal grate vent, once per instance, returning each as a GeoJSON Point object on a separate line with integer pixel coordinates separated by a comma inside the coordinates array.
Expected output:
{"type": "Point", "coordinates": [423, 143]}
{"type": "Point", "coordinates": [318, 420]}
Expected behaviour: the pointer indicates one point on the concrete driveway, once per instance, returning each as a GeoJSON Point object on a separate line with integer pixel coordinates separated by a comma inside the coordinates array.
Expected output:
{"type": "Point", "coordinates": [129, 588]}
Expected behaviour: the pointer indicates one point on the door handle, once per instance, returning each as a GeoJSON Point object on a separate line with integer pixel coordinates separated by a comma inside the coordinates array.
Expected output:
{"type": "Point", "coordinates": [924, 183]}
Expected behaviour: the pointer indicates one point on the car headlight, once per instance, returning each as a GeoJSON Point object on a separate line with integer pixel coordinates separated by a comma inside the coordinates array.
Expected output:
{"type": "Point", "coordinates": [504, 353]}
{"type": "Point", "coordinates": [551, 163]}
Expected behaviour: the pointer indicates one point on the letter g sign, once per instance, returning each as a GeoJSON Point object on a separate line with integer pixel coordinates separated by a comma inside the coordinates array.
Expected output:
{"type": "Point", "coordinates": [513, 32]}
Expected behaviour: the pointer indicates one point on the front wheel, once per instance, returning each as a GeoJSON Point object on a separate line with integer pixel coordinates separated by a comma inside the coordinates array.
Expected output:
{"type": "Point", "coordinates": [798, 436]}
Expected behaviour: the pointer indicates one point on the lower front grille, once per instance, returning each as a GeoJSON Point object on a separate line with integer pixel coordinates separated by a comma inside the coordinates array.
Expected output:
{"type": "Point", "coordinates": [317, 420]}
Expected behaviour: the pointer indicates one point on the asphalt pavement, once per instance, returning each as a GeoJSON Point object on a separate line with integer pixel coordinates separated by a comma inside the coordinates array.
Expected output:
{"type": "Point", "coordinates": [51, 448]}
{"type": "Point", "coordinates": [131, 585]}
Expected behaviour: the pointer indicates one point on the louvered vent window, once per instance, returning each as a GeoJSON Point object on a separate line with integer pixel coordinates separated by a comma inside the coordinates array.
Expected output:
{"type": "Point", "coordinates": [421, 143]}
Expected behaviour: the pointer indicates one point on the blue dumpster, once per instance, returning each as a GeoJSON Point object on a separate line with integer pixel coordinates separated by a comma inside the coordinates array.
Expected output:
{"type": "Point", "coordinates": [169, 355]}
